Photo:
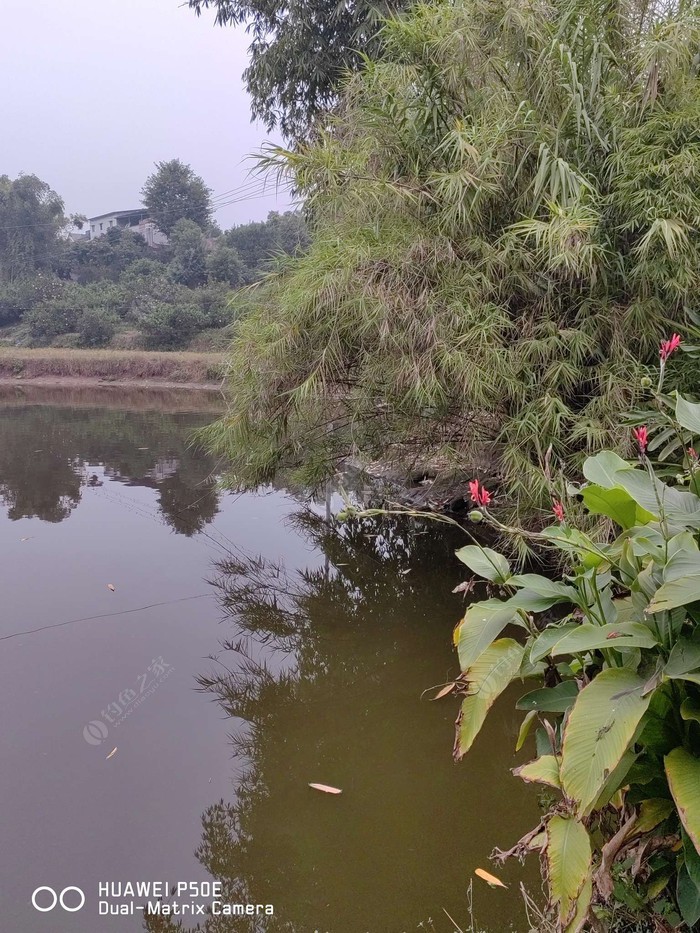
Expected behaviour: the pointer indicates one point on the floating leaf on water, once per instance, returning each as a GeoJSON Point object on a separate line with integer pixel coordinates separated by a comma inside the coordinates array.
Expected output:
{"type": "Point", "coordinates": [112, 753]}
{"type": "Point", "coordinates": [489, 878]}
{"type": "Point", "coordinates": [445, 690]}
{"type": "Point", "coordinates": [464, 587]}
{"type": "Point", "coordinates": [110, 586]}
{"type": "Point", "coordinates": [326, 788]}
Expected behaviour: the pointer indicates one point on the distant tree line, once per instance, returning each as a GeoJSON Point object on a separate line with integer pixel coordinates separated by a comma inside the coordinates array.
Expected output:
{"type": "Point", "coordinates": [55, 289]}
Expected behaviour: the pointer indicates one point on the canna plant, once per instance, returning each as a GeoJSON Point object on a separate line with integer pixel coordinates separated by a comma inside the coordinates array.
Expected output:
{"type": "Point", "coordinates": [616, 641]}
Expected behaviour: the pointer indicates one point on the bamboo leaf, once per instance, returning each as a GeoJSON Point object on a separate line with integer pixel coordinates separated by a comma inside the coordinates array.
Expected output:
{"type": "Point", "coordinates": [601, 725]}
{"type": "Point", "coordinates": [683, 773]}
{"type": "Point", "coordinates": [487, 679]}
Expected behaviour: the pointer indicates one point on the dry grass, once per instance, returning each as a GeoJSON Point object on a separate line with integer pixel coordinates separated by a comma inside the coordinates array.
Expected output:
{"type": "Point", "coordinates": [112, 365]}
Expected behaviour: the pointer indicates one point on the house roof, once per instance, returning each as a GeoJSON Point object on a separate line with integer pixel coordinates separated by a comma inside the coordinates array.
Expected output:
{"type": "Point", "coordinates": [139, 211]}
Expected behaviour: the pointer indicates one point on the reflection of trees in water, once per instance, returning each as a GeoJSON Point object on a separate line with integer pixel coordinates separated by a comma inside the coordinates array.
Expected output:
{"type": "Point", "coordinates": [356, 634]}
{"type": "Point", "coordinates": [44, 453]}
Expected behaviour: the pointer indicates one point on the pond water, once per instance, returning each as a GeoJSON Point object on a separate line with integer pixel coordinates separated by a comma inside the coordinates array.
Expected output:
{"type": "Point", "coordinates": [167, 729]}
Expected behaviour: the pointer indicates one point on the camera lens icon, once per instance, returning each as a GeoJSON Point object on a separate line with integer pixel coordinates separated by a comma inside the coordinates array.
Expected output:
{"type": "Point", "coordinates": [48, 900]}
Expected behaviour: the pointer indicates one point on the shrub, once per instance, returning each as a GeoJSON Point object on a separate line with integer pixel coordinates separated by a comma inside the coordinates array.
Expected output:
{"type": "Point", "coordinates": [170, 325]}
{"type": "Point", "coordinates": [96, 327]}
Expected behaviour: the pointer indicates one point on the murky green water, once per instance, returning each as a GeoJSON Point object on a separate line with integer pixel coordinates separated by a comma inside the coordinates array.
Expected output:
{"type": "Point", "coordinates": [245, 651]}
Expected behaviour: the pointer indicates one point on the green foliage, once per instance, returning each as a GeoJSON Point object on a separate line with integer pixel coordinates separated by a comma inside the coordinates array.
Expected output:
{"type": "Point", "coordinates": [300, 52]}
{"type": "Point", "coordinates": [619, 713]}
{"type": "Point", "coordinates": [31, 219]}
{"type": "Point", "coordinates": [501, 228]}
{"type": "Point", "coordinates": [96, 327]}
{"type": "Point", "coordinates": [108, 256]}
{"type": "Point", "coordinates": [188, 266]}
{"type": "Point", "coordinates": [173, 193]}
{"type": "Point", "coordinates": [261, 242]}
{"type": "Point", "coordinates": [223, 264]}
{"type": "Point", "coordinates": [169, 326]}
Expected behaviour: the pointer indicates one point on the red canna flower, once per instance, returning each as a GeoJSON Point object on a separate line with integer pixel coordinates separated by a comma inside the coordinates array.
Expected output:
{"type": "Point", "coordinates": [642, 436]}
{"type": "Point", "coordinates": [669, 346]}
{"type": "Point", "coordinates": [558, 510]}
{"type": "Point", "coordinates": [478, 493]}
{"type": "Point", "coordinates": [692, 453]}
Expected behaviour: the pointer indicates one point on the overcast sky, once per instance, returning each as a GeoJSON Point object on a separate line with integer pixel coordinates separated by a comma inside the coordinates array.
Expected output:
{"type": "Point", "coordinates": [96, 91]}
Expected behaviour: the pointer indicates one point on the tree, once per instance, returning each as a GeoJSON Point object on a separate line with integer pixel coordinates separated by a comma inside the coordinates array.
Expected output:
{"type": "Point", "coordinates": [301, 50]}
{"type": "Point", "coordinates": [259, 242]}
{"type": "Point", "coordinates": [31, 219]}
{"type": "Point", "coordinates": [501, 230]}
{"type": "Point", "coordinates": [188, 266]}
{"type": "Point", "coordinates": [174, 192]}
{"type": "Point", "coordinates": [225, 265]}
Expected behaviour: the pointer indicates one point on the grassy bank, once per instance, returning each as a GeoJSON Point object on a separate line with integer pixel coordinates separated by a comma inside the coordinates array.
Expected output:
{"type": "Point", "coordinates": [112, 365]}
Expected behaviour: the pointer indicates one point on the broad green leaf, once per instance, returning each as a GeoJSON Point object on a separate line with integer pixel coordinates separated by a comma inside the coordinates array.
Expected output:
{"type": "Point", "coordinates": [617, 504]}
{"type": "Point", "coordinates": [589, 637]}
{"type": "Point", "coordinates": [487, 679]}
{"type": "Point", "coordinates": [550, 699]}
{"type": "Point", "coordinates": [601, 469]}
{"type": "Point", "coordinates": [558, 592]}
{"type": "Point", "coordinates": [692, 858]}
{"type": "Point", "coordinates": [684, 661]}
{"type": "Point", "coordinates": [688, 897]}
{"type": "Point", "coordinates": [676, 593]}
{"type": "Point", "coordinates": [683, 773]}
{"type": "Point", "coordinates": [482, 623]}
{"type": "Point", "coordinates": [690, 710]}
{"type": "Point", "coordinates": [575, 542]}
{"type": "Point", "coordinates": [485, 562]}
{"type": "Point", "coordinates": [568, 865]}
{"type": "Point", "coordinates": [651, 813]}
{"type": "Point", "coordinates": [615, 780]}
{"type": "Point", "coordinates": [524, 729]}
{"type": "Point", "coordinates": [544, 770]}
{"type": "Point", "coordinates": [544, 642]}
{"type": "Point", "coordinates": [601, 726]}
{"type": "Point", "coordinates": [688, 414]}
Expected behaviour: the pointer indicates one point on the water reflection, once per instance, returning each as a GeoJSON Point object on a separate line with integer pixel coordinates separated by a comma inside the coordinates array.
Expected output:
{"type": "Point", "coordinates": [48, 454]}
{"type": "Point", "coordinates": [323, 674]}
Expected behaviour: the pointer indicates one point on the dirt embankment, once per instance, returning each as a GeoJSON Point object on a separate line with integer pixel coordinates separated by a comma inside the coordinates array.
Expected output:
{"type": "Point", "coordinates": [123, 367]}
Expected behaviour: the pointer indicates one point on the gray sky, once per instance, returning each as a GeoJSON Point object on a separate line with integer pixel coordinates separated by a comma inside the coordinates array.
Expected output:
{"type": "Point", "coordinates": [96, 91]}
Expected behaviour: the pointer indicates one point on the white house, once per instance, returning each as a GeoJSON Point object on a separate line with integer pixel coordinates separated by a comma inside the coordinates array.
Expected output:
{"type": "Point", "coordinates": [137, 221]}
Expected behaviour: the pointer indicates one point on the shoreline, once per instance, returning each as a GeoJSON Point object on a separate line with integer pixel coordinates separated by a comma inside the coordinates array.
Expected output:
{"type": "Point", "coordinates": [106, 382]}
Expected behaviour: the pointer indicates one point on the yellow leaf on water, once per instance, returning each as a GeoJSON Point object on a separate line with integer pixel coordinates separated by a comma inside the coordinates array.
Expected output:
{"type": "Point", "coordinates": [489, 878]}
{"type": "Point", "coordinates": [445, 690]}
{"type": "Point", "coordinates": [112, 753]}
{"type": "Point", "coordinates": [110, 586]}
{"type": "Point", "coordinates": [326, 789]}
